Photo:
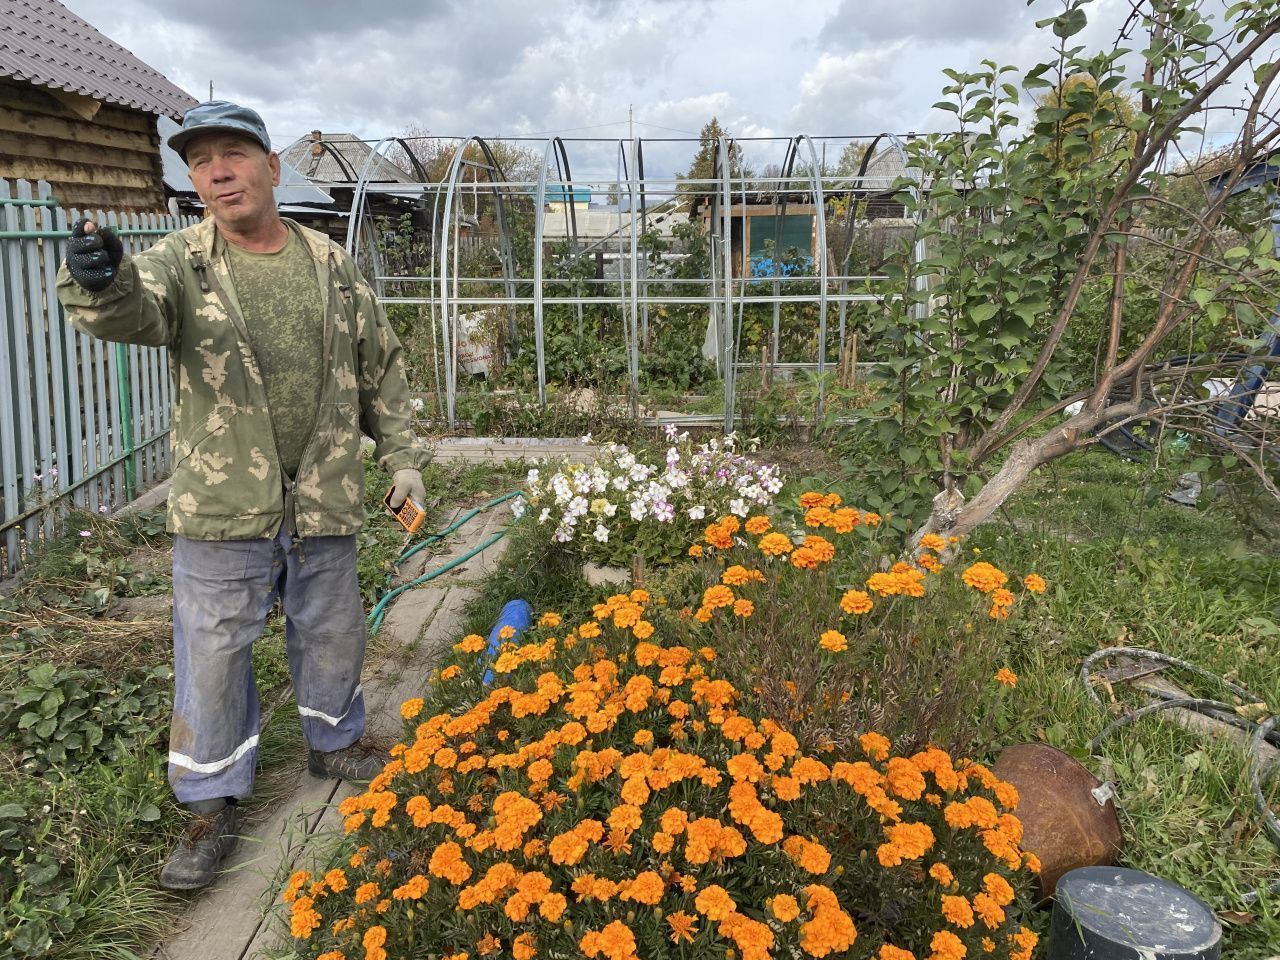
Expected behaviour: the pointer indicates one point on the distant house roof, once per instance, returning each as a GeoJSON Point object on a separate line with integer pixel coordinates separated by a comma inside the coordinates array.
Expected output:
{"type": "Point", "coordinates": [294, 188]}
{"type": "Point", "coordinates": [321, 166]}
{"type": "Point", "coordinates": [44, 43]}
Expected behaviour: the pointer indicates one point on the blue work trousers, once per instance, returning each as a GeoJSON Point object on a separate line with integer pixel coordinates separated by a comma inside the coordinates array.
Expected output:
{"type": "Point", "coordinates": [223, 592]}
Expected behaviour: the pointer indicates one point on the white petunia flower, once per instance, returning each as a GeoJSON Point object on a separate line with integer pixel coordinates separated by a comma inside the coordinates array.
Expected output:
{"type": "Point", "coordinates": [601, 533]}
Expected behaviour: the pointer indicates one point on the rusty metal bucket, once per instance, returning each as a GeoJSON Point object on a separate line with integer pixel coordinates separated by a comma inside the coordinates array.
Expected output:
{"type": "Point", "coordinates": [1068, 818]}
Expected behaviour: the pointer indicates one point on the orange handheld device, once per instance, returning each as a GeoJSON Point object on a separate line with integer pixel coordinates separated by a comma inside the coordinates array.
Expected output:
{"type": "Point", "coordinates": [411, 515]}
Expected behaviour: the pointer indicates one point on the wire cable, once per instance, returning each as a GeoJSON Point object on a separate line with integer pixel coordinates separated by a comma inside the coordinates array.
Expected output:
{"type": "Point", "coordinates": [1263, 732]}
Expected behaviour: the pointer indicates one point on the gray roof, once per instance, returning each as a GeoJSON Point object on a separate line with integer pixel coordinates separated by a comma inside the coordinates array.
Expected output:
{"type": "Point", "coordinates": [45, 44]}
{"type": "Point", "coordinates": [326, 169]}
{"type": "Point", "coordinates": [294, 188]}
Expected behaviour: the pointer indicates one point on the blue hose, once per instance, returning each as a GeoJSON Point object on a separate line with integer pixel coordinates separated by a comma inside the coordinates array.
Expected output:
{"type": "Point", "coordinates": [517, 615]}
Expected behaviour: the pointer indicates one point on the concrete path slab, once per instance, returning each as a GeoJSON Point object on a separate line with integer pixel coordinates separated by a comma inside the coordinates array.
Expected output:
{"type": "Point", "coordinates": [232, 920]}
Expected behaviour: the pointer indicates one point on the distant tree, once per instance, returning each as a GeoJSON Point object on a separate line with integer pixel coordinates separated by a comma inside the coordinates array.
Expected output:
{"type": "Point", "coordinates": [1092, 122]}
{"type": "Point", "coordinates": [704, 165]}
{"type": "Point", "coordinates": [851, 158]}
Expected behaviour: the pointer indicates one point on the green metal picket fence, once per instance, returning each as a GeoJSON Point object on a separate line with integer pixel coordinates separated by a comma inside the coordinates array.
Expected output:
{"type": "Point", "coordinates": [84, 424]}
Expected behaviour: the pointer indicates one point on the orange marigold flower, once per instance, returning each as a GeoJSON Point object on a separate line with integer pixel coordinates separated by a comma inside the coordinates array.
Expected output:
{"type": "Point", "coordinates": [988, 910]}
{"type": "Point", "coordinates": [775, 545]}
{"type": "Point", "coordinates": [904, 779]}
{"type": "Point", "coordinates": [956, 911]}
{"type": "Point", "coordinates": [718, 536]}
{"type": "Point", "coordinates": [889, 952]}
{"type": "Point", "coordinates": [411, 708]}
{"type": "Point", "coordinates": [1001, 598]}
{"type": "Point", "coordinates": [1007, 677]}
{"type": "Point", "coordinates": [757, 525]}
{"type": "Point", "coordinates": [929, 562]}
{"type": "Point", "coordinates": [942, 873]}
{"type": "Point", "coordinates": [804, 558]}
{"type": "Point", "coordinates": [834, 641]}
{"type": "Point", "coordinates": [1034, 582]}
{"type": "Point", "coordinates": [549, 619]}
{"type": "Point", "coordinates": [784, 907]}
{"type": "Point", "coordinates": [856, 602]}
{"type": "Point", "coordinates": [695, 550]}
{"type": "Point", "coordinates": [907, 841]}
{"type": "Point", "coordinates": [366, 892]}
{"type": "Point", "coordinates": [998, 612]}
{"type": "Point", "coordinates": [735, 576]}
{"type": "Point", "coordinates": [742, 607]}
{"type": "Point", "coordinates": [471, 643]}
{"type": "Point", "coordinates": [589, 630]}
{"type": "Point", "coordinates": [449, 672]}
{"type": "Point", "coordinates": [822, 548]}
{"type": "Point", "coordinates": [844, 520]}
{"type": "Point", "coordinates": [412, 889]}
{"type": "Point", "coordinates": [643, 629]}
{"type": "Point", "coordinates": [931, 541]}
{"type": "Point", "coordinates": [522, 947]}
{"type": "Point", "coordinates": [983, 577]}
{"type": "Point", "coordinates": [818, 517]}
{"type": "Point", "coordinates": [884, 584]}
{"type": "Point", "coordinates": [714, 902]}
{"type": "Point", "coordinates": [946, 946]}
{"type": "Point", "coordinates": [507, 632]}
{"type": "Point", "coordinates": [811, 499]}
{"type": "Point", "coordinates": [684, 926]}
{"type": "Point", "coordinates": [875, 745]}
{"type": "Point", "coordinates": [1026, 941]}
{"type": "Point", "coordinates": [488, 944]}
{"type": "Point", "coordinates": [716, 596]}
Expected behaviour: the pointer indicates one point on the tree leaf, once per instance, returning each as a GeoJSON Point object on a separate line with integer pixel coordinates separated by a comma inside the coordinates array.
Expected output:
{"type": "Point", "coordinates": [1070, 23]}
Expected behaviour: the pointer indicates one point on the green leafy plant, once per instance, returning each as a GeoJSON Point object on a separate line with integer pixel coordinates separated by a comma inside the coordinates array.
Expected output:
{"type": "Point", "coordinates": [63, 718]}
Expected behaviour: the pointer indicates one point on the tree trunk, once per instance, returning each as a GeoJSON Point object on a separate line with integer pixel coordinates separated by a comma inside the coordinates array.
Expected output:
{"type": "Point", "coordinates": [952, 516]}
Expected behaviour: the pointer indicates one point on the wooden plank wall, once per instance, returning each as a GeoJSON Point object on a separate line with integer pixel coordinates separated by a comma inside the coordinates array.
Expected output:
{"type": "Point", "coordinates": [111, 161]}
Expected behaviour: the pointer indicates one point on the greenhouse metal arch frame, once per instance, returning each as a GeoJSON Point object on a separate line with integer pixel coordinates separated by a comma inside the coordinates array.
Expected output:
{"type": "Point", "coordinates": [442, 291]}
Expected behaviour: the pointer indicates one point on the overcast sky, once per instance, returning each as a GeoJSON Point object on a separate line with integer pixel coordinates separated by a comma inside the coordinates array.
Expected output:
{"type": "Point", "coordinates": [572, 67]}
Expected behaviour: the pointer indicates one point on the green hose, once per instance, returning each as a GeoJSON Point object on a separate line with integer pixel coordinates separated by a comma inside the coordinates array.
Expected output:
{"type": "Point", "coordinates": [379, 611]}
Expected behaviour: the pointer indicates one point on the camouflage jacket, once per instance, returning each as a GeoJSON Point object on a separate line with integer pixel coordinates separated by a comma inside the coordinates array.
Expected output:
{"type": "Point", "coordinates": [227, 480]}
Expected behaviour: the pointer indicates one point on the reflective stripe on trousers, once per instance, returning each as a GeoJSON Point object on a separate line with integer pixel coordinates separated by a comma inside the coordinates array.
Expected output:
{"type": "Point", "coordinates": [223, 592]}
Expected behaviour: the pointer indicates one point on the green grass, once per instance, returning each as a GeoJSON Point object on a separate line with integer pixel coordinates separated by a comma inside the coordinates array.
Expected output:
{"type": "Point", "coordinates": [1127, 568]}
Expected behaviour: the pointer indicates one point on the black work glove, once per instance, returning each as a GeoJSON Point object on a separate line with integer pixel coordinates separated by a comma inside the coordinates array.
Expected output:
{"type": "Point", "coordinates": [93, 255]}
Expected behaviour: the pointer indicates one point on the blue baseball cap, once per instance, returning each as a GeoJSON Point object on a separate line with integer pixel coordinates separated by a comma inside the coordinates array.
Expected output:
{"type": "Point", "coordinates": [219, 116]}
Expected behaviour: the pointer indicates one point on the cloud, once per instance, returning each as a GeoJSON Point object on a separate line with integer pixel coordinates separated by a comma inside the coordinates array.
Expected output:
{"type": "Point", "coordinates": [858, 21]}
{"type": "Point", "coordinates": [261, 27]}
{"type": "Point", "coordinates": [851, 93]}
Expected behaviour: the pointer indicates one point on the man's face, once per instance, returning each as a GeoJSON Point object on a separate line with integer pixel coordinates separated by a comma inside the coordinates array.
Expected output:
{"type": "Point", "coordinates": [233, 176]}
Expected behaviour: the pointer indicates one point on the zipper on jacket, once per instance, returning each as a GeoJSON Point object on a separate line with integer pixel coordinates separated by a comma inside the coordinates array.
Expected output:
{"type": "Point", "coordinates": [326, 351]}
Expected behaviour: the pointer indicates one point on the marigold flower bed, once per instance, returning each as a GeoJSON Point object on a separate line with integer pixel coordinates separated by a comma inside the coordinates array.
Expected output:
{"type": "Point", "coordinates": [611, 796]}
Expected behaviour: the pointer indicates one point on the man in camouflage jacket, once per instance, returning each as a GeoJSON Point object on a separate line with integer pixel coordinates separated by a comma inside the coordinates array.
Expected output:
{"type": "Point", "coordinates": [260, 508]}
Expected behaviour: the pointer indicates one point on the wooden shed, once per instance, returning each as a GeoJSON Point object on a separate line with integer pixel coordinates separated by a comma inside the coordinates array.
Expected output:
{"type": "Point", "coordinates": [79, 110]}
